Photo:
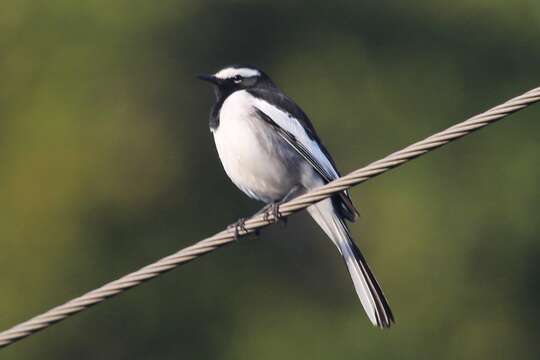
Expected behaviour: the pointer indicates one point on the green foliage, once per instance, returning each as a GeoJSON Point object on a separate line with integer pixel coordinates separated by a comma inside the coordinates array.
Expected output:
{"type": "Point", "coordinates": [107, 164]}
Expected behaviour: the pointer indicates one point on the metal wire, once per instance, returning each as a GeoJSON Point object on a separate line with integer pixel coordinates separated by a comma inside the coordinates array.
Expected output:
{"type": "Point", "coordinates": [207, 245]}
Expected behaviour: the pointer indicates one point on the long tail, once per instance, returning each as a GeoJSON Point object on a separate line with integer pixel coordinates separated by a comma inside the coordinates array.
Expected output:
{"type": "Point", "coordinates": [367, 288]}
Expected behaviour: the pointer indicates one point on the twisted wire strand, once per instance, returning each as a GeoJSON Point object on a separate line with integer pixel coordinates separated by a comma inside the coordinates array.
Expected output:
{"type": "Point", "coordinates": [256, 222]}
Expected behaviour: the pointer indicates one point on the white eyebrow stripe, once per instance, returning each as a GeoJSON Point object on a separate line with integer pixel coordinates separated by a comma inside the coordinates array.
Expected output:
{"type": "Point", "coordinates": [228, 73]}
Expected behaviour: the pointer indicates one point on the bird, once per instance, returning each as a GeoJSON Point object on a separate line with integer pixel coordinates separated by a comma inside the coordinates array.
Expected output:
{"type": "Point", "coordinates": [269, 149]}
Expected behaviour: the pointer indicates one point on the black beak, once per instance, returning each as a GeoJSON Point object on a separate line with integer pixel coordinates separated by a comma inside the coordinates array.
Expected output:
{"type": "Point", "coordinates": [210, 78]}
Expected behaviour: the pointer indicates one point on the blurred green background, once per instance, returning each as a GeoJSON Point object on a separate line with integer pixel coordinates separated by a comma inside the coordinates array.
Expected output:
{"type": "Point", "coordinates": [106, 164]}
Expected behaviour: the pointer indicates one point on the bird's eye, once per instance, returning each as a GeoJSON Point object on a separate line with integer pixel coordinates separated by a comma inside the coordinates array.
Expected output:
{"type": "Point", "coordinates": [237, 79]}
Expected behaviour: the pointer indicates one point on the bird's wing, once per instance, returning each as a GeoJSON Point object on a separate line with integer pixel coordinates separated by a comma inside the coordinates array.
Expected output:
{"type": "Point", "coordinates": [305, 150]}
{"type": "Point", "coordinates": [293, 125]}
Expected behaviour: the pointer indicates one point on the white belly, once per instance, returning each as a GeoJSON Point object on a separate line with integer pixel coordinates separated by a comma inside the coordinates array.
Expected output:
{"type": "Point", "coordinates": [253, 156]}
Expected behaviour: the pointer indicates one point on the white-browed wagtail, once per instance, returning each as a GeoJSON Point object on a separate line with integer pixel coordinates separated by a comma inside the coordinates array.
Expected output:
{"type": "Point", "coordinates": [270, 150]}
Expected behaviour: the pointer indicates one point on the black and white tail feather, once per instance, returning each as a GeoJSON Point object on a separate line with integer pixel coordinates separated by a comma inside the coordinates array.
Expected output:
{"type": "Point", "coordinates": [269, 149]}
{"type": "Point", "coordinates": [366, 286]}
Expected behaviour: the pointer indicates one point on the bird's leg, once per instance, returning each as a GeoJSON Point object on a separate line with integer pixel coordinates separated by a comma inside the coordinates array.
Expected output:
{"type": "Point", "coordinates": [273, 208]}
{"type": "Point", "coordinates": [267, 210]}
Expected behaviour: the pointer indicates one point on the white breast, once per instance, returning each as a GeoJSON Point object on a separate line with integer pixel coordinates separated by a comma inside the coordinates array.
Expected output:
{"type": "Point", "coordinates": [253, 156]}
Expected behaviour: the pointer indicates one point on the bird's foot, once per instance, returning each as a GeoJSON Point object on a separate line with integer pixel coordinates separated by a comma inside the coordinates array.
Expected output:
{"type": "Point", "coordinates": [272, 214]}
{"type": "Point", "coordinates": [240, 229]}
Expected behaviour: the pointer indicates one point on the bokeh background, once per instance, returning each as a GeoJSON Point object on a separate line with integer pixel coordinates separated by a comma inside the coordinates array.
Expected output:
{"type": "Point", "coordinates": [107, 164]}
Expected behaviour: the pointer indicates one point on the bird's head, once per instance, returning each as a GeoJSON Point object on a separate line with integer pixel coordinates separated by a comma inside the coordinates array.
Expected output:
{"type": "Point", "coordinates": [237, 77]}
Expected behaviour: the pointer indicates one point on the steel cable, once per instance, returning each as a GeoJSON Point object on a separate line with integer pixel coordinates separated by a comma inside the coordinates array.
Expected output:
{"type": "Point", "coordinates": [256, 222]}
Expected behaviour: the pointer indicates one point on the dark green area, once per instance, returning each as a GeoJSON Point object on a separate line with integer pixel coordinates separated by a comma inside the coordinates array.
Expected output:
{"type": "Point", "coordinates": [106, 164]}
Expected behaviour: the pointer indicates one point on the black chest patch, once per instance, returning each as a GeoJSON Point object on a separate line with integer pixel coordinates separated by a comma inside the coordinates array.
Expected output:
{"type": "Point", "coordinates": [213, 121]}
